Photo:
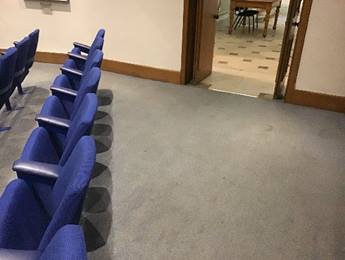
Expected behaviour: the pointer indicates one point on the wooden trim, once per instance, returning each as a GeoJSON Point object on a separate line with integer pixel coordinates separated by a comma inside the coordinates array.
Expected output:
{"type": "Point", "coordinates": [142, 71]}
{"type": "Point", "coordinates": [318, 100]}
{"type": "Point", "coordinates": [119, 67]}
{"type": "Point", "coordinates": [50, 57]}
{"type": "Point", "coordinates": [299, 44]}
{"type": "Point", "coordinates": [301, 97]}
{"type": "Point", "coordinates": [184, 42]}
{"type": "Point", "coordinates": [188, 41]}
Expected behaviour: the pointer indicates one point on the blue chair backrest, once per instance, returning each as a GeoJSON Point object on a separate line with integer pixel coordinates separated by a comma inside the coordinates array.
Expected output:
{"type": "Point", "coordinates": [96, 44]}
{"type": "Point", "coordinates": [100, 33]}
{"type": "Point", "coordinates": [33, 47]}
{"type": "Point", "coordinates": [88, 84]}
{"type": "Point", "coordinates": [23, 49]}
{"type": "Point", "coordinates": [67, 243]}
{"type": "Point", "coordinates": [81, 124]}
{"type": "Point", "coordinates": [94, 60]}
{"type": "Point", "coordinates": [66, 198]}
{"type": "Point", "coordinates": [7, 68]}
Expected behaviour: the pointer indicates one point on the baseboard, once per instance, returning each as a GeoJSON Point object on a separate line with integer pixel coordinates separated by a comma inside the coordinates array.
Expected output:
{"type": "Point", "coordinates": [119, 67]}
{"type": "Point", "coordinates": [50, 57]}
{"type": "Point", "coordinates": [142, 71]}
{"type": "Point", "coordinates": [317, 100]}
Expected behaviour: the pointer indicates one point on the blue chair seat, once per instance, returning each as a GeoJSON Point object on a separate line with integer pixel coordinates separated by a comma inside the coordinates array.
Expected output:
{"type": "Point", "coordinates": [29, 218]}
{"type": "Point", "coordinates": [69, 100]}
{"type": "Point", "coordinates": [72, 73]}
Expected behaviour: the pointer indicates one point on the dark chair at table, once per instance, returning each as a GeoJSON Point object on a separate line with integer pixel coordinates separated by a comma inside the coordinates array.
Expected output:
{"type": "Point", "coordinates": [242, 14]}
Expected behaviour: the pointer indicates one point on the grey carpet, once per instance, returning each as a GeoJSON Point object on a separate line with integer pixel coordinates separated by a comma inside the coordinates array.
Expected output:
{"type": "Point", "coordinates": [187, 173]}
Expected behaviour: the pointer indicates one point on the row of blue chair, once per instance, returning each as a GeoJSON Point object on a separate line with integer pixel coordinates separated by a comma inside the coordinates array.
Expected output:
{"type": "Point", "coordinates": [15, 63]}
{"type": "Point", "coordinates": [40, 211]}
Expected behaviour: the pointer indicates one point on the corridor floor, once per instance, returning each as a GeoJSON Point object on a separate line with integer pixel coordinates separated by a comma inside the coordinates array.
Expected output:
{"type": "Point", "coordinates": [246, 63]}
{"type": "Point", "coordinates": [188, 173]}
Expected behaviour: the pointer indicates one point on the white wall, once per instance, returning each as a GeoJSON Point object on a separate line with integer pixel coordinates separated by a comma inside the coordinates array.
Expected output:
{"type": "Point", "coordinates": [146, 32]}
{"type": "Point", "coordinates": [224, 6]}
{"type": "Point", "coordinates": [322, 68]}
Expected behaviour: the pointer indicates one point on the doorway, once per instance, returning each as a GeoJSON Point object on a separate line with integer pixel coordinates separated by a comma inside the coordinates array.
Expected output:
{"type": "Point", "coordinates": [245, 62]}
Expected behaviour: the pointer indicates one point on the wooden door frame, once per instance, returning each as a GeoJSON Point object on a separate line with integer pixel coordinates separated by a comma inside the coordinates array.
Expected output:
{"type": "Point", "coordinates": [190, 36]}
{"type": "Point", "coordinates": [301, 97]}
{"type": "Point", "coordinates": [292, 95]}
{"type": "Point", "coordinates": [188, 40]}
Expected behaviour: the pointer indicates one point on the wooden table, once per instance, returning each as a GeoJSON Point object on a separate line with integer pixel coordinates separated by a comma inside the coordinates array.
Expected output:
{"type": "Point", "coordinates": [267, 5]}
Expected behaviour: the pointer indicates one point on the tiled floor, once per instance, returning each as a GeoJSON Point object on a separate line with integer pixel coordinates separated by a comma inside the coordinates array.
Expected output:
{"type": "Point", "coordinates": [246, 63]}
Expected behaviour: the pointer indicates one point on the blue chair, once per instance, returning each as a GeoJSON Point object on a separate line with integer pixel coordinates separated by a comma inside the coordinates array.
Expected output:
{"type": "Point", "coordinates": [7, 69]}
{"type": "Point", "coordinates": [71, 74]}
{"type": "Point", "coordinates": [29, 221]}
{"type": "Point", "coordinates": [69, 99]}
{"type": "Point", "coordinates": [80, 47]}
{"type": "Point", "coordinates": [21, 71]}
{"type": "Point", "coordinates": [51, 144]}
{"type": "Point", "coordinates": [34, 36]}
{"type": "Point", "coordinates": [80, 60]}
{"type": "Point", "coordinates": [67, 243]}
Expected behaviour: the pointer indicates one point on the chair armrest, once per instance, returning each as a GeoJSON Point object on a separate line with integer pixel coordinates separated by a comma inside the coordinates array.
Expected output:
{"type": "Point", "coordinates": [71, 72]}
{"type": "Point", "coordinates": [59, 123]}
{"type": "Point", "coordinates": [83, 47]}
{"type": "Point", "coordinates": [78, 57]}
{"type": "Point", "coordinates": [65, 91]}
{"type": "Point", "coordinates": [45, 170]}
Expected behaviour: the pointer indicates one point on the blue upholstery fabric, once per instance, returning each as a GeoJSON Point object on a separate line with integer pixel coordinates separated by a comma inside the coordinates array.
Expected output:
{"type": "Point", "coordinates": [95, 44]}
{"type": "Point", "coordinates": [69, 106]}
{"type": "Point", "coordinates": [7, 68]}
{"type": "Point", "coordinates": [100, 33]}
{"type": "Point", "coordinates": [22, 219]}
{"type": "Point", "coordinates": [45, 146]}
{"type": "Point", "coordinates": [67, 196]}
{"type": "Point", "coordinates": [29, 222]}
{"type": "Point", "coordinates": [34, 36]}
{"type": "Point", "coordinates": [94, 60]}
{"type": "Point", "coordinates": [81, 123]}
{"type": "Point", "coordinates": [67, 244]}
{"type": "Point", "coordinates": [20, 71]}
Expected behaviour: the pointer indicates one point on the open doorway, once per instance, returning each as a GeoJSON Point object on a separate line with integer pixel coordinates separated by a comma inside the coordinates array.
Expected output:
{"type": "Point", "coordinates": [242, 46]}
{"type": "Point", "coordinates": [245, 62]}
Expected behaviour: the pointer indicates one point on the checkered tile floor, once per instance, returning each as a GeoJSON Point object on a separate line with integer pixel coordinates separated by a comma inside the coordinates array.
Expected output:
{"type": "Point", "coordinates": [246, 63]}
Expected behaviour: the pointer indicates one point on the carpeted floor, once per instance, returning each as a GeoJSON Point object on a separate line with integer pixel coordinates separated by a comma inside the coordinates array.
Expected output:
{"type": "Point", "coordinates": [188, 173]}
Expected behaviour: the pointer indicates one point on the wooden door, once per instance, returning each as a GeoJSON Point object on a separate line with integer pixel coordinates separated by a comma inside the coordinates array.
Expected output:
{"type": "Point", "coordinates": [207, 13]}
{"type": "Point", "coordinates": [291, 25]}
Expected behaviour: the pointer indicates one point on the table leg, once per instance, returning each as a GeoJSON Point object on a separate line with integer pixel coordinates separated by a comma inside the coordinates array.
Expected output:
{"type": "Point", "coordinates": [267, 19]}
{"type": "Point", "coordinates": [276, 17]}
{"type": "Point", "coordinates": [232, 17]}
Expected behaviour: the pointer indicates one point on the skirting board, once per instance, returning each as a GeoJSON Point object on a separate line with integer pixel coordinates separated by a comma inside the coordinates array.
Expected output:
{"type": "Point", "coordinates": [50, 57]}
{"type": "Point", "coordinates": [142, 71]}
{"type": "Point", "coordinates": [119, 67]}
{"type": "Point", "coordinates": [317, 100]}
